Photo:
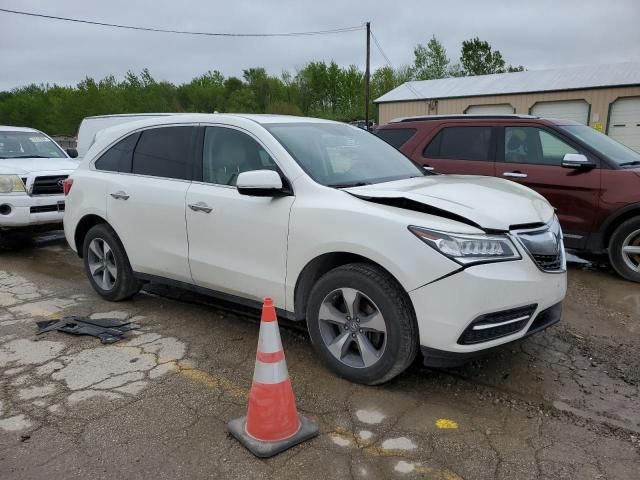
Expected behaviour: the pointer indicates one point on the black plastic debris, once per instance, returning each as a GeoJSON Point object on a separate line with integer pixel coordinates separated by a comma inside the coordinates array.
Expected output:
{"type": "Point", "coordinates": [108, 330]}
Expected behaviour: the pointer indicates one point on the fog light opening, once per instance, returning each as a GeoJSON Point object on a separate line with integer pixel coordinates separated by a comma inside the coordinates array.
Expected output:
{"type": "Point", "coordinates": [5, 209]}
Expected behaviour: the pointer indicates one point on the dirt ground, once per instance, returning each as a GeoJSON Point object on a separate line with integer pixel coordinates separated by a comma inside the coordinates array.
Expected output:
{"type": "Point", "coordinates": [561, 404]}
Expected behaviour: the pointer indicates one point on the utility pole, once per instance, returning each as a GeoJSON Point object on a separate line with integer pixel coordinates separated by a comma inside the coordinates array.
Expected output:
{"type": "Point", "coordinates": [367, 74]}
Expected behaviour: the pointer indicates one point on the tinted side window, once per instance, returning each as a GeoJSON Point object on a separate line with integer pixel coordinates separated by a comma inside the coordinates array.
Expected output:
{"type": "Point", "coordinates": [118, 157]}
{"type": "Point", "coordinates": [535, 146]}
{"type": "Point", "coordinates": [164, 152]}
{"type": "Point", "coordinates": [461, 143]}
{"type": "Point", "coordinates": [228, 152]}
{"type": "Point", "coordinates": [396, 137]}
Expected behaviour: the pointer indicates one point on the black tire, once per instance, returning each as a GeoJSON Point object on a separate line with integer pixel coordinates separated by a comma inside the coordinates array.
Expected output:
{"type": "Point", "coordinates": [393, 303]}
{"type": "Point", "coordinates": [125, 285]}
{"type": "Point", "coordinates": [630, 229]}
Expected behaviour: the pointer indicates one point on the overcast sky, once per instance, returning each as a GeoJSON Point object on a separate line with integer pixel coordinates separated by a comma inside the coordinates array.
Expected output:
{"type": "Point", "coordinates": [535, 33]}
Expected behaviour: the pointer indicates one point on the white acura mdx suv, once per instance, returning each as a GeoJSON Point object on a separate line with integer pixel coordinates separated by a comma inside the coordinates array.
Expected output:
{"type": "Point", "coordinates": [339, 228]}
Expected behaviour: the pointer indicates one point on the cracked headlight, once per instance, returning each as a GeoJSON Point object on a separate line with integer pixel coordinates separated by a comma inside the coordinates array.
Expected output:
{"type": "Point", "coordinates": [11, 184]}
{"type": "Point", "coordinates": [468, 249]}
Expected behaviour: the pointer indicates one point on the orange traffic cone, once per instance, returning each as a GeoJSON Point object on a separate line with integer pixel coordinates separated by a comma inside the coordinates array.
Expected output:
{"type": "Point", "coordinates": [272, 424]}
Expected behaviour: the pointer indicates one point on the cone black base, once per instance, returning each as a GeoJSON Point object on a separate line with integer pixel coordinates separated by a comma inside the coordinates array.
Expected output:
{"type": "Point", "coordinates": [269, 449]}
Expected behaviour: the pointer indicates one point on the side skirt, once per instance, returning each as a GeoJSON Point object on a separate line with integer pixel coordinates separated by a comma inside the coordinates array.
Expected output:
{"type": "Point", "coordinates": [225, 297]}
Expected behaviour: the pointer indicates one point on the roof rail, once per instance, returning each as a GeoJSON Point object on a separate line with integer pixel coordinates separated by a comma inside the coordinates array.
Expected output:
{"type": "Point", "coordinates": [424, 118]}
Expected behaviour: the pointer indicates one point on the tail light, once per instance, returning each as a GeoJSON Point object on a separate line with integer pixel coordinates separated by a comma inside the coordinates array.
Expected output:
{"type": "Point", "coordinates": [66, 186]}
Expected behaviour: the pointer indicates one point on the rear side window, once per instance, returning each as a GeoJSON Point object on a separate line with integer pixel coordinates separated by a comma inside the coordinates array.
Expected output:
{"type": "Point", "coordinates": [396, 137]}
{"type": "Point", "coordinates": [164, 152]}
{"type": "Point", "coordinates": [461, 143]}
{"type": "Point", "coordinates": [118, 157]}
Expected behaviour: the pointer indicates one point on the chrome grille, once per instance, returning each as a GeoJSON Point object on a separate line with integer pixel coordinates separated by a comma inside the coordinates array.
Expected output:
{"type": "Point", "coordinates": [49, 185]}
{"type": "Point", "coordinates": [544, 245]}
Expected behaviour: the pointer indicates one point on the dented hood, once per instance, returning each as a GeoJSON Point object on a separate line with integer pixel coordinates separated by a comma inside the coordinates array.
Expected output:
{"type": "Point", "coordinates": [490, 203]}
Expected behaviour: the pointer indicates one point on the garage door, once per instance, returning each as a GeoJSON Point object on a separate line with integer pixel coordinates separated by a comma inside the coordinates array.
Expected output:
{"type": "Point", "coordinates": [500, 109]}
{"type": "Point", "coordinates": [624, 122]}
{"type": "Point", "coordinates": [574, 110]}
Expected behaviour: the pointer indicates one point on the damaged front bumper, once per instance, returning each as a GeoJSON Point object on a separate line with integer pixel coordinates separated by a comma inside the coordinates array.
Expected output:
{"type": "Point", "coordinates": [485, 306]}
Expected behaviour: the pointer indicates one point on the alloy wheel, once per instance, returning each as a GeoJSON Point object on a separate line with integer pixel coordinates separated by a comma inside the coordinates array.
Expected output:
{"type": "Point", "coordinates": [352, 328]}
{"type": "Point", "coordinates": [631, 251]}
{"type": "Point", "coordinates": [102, 264]}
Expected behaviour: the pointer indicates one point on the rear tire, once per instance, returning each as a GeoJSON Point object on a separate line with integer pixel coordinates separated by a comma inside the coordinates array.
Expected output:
{"type": "Point", "coordinates": [107, 265]}
{"type": "Point", "coordinates": [376, 338]}
{"type": "Point", "coordinates": [625, 238]}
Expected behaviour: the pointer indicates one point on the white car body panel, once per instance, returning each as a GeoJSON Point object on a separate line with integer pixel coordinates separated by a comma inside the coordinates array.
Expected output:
{"type": "Point", "coordinates": [492, 203]}
{"type": "Point", "coordinates": [151, 223]}
{"type": "Point", "coordinates": [238, 247]}
{"type": "Point", "coordinates": [253, 247]}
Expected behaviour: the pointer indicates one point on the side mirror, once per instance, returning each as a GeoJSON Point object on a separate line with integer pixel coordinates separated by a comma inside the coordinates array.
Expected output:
{"type": "Point", "coordinates": [577, 160]}
{"type": "Point", "coordinates": [260, 183]}
{"type": "Point", "coordinates": [72, 152]}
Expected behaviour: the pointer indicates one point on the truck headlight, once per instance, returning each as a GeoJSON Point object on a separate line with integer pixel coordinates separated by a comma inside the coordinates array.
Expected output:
{"type": "Point", "coordinates": [468, 249]}
{"type": "Point", "coordinates": [11, 184]}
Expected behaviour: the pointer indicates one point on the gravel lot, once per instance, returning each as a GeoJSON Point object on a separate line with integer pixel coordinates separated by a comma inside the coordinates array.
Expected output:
{"type": "Point", "coordinates": [563, 404]}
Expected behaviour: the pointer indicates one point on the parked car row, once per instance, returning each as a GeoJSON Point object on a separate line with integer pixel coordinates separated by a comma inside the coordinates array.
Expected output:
{"type": "Point", "coordinates": [379, 256]}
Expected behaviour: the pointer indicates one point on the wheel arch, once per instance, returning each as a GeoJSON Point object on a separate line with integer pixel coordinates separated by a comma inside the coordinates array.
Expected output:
{"type": "Point", "coordinates": [617, 219]}
{"type": "Point", "coordinates": [322, 264]}
{"type": "Point", "coordinates": [84, 225]}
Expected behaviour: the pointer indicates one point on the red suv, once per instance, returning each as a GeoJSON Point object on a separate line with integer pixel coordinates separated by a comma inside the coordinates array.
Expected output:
{"type": "Point", "coordinates": [591, 180]}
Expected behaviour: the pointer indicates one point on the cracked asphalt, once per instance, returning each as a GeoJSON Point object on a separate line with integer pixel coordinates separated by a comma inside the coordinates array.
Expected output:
{"type": "Point", "coordinates": [562, 404]}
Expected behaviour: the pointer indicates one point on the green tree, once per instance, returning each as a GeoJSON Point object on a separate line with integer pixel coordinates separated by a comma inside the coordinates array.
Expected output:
{"type": "Point", "coordinates": [478, 58]}
{"type": "Point", "coordinates": [430, 61]}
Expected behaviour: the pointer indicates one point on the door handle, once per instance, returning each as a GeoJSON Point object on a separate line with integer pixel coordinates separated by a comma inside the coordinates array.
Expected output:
{"type": "Point", "coordinates": [428, 168]}
{"type": "Point", "coordinates": [120, 195]}
{"type": "Point", "coordinates": [514, 174]}
{"type": "Point", "coordinates": [200, 207]}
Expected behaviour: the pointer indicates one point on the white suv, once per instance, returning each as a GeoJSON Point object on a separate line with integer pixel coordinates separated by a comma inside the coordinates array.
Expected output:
{"type": "Point", "coordinates": [32, 170]}
{"type": "Point", "coordinates": [379, 257]}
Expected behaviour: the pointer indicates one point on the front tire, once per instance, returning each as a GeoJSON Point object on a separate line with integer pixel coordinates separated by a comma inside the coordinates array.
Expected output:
{"type": "Point", "coordinates": [107, 265]}
{"type": "Point", "coordinates": [624, 249]}
{"type": "Point", "coordinates": [362, 324]}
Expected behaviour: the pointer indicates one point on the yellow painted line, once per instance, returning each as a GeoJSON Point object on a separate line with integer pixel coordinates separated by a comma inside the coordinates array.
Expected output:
{"type": "Point", "coordinates": [436, 473]}
{"type": "Point", "coordinates": [445, 423]}
{"type": "Point", "coordinates": [218, 382]}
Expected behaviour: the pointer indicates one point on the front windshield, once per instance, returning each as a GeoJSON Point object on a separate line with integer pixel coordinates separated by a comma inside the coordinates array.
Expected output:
{"type": "Point", "coordinates": [604, 145]}
{"type": "Point", "coordinates": [339, 155]}
{"type": "Point", "coordinates": [27, 145]}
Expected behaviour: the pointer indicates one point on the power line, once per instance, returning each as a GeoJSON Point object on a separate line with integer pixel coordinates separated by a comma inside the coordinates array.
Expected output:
{"type": "Point", "coordinates": [185, 32]}
{"type": "Point", "coordinates": [386, 58]}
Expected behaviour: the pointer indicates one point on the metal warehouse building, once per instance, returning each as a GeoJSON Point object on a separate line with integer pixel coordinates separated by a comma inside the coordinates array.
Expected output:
{"type": "Point", "coordinates": [606, 97]}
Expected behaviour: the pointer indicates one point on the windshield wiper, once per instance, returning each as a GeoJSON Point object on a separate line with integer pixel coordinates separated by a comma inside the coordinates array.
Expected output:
{"type": "Point", "coordinates": [626, 164]}
{"type": "Point", "coordinates": [29, 156]}
{"type": "Point", "coordinates": [348, 184]}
